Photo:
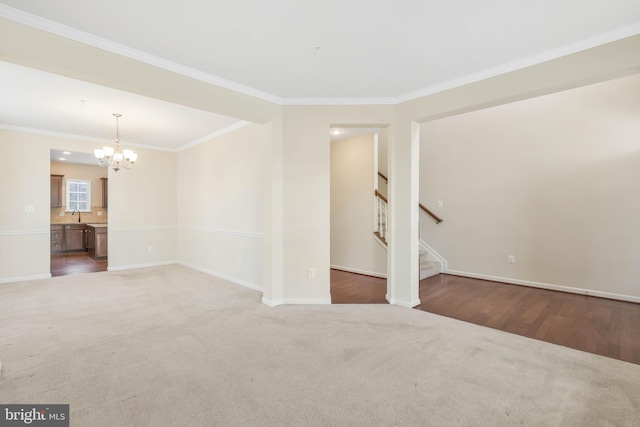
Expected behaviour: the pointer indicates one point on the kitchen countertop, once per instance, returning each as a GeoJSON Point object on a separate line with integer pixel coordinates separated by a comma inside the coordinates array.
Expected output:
{"type": "Point", "coordinates": [91, 224]}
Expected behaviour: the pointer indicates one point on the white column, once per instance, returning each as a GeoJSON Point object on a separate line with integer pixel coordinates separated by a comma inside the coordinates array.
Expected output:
{"type": "Point", "coordinates": [403, 263]}
{"type": "Point", "coordinates": [273, 225]}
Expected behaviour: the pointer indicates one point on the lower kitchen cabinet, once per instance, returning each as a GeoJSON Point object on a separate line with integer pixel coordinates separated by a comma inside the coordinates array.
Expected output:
{"type": "Point", "coordinates": [97, 242]}
{"type": "Point", "coordinates": [68, 238]}
{"type": "Point", "coordinates": [57, 238]}
{"type": "Point", "coordinates": [75, 237]}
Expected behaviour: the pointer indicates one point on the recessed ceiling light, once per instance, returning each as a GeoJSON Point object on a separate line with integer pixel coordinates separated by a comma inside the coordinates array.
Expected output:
{"type": "Point", "coordinates": [336, 132]}
{"type": "Point", "coordinates": [62, 158]}
{"type": "Point", "coordinates": [66, 152]}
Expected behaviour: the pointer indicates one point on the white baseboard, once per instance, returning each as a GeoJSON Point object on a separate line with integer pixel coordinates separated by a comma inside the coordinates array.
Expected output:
{"type": "Point", "coordinates": [549, 286]}
{"type": "Point", "coordinates": [310, 301]}
{"type": "Point", "coordinates": [358, 271]}
{"type": "Point", "coordinates": [223, 276]}
{"type": "Point", "coordinates": [401, 303]}
{"type": "Point", "coordinates": [435, 254]}
{"type": "Point", "coordinates": [134, 266]}
{"type": "Point", "coordinates": [271, 303]}
{"type": "Point", "coordinates": [303, 301]}
{"type": "Point", "coordinates": [24, 278]}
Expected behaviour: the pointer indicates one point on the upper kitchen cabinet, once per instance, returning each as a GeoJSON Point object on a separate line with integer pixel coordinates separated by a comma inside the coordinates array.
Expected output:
{"type": "Point", "coordinates": [56, 191]}
{"type": "Point", "coordinates": [105, 192]}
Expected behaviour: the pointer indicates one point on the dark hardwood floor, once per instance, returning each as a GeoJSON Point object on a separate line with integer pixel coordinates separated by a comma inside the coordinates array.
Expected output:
{"type": "Point", "coordinates": [75, 263]}
{"type": "Point", "coordinates": [606, 327]}
{"type": "Point", "coordinates": [351, 288]}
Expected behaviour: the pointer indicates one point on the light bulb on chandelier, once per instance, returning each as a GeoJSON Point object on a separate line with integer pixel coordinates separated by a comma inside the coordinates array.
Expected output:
{"type": "Point", "coordinates": [115, 157]}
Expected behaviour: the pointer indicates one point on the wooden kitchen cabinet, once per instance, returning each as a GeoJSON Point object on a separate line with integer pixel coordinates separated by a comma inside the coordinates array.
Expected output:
{"type": "Point", "coordinates": [101, 243]}
{"type": "Point", "coordinates": [57, 238]}
{"type": "Point", "coordinates": [97, 242]}
{"type": "Point", "coordinates": [56, 191]}
{"type": "Point", "coordinates": [75, 237]}
{"type": "Point", "coordinates": [105, 192]}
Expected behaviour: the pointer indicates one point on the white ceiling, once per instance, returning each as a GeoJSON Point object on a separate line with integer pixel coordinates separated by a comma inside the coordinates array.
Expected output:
{"type": "Point", "coordinates": [73, 157]}
{"type": "Point", "coordinates": [292, 52]}
{"type": "Point", "coordinates": [43, 101]}
{"type": "Point", "coordinates": [349, 132]}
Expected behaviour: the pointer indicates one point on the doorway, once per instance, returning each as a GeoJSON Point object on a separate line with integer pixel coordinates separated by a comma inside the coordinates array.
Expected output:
{"type": "Point", "coordinates": [358, 256]}
{"type": "Point", "coordinates": [79, 214]}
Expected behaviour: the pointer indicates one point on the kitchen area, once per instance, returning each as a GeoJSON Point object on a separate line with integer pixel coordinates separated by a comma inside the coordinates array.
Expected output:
{"type": "Point", "coordinates": [79, 214]}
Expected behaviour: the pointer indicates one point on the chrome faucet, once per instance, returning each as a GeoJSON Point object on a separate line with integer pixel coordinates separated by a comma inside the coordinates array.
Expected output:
{"type": "Point", "coordinates": [74, 212]}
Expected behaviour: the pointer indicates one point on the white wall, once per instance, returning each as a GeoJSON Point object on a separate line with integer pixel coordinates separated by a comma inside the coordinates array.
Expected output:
{"type": "Point", "coordinates": [220, 186]}
{"type": "Point", "coordinates": [353, 247]}
{"type": "Point", "coordinates": [553, 180]}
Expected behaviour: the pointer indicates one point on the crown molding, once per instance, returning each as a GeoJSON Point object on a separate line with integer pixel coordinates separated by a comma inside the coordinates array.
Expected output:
{"type": "Point", "coordinates": [338, 101]}
{"type": "Point", "coordinates": [119, 49]}
{"type": "Point", "coordinates": [568, 49]}
{"type": "Point", "coordinates": [80, 137]}
{"type": "Point", "coordinates": [228, 129]}
{"type": "Point", "coordinates": [101, 43]}
{"type": "Point", "coordinates": [231, 128]}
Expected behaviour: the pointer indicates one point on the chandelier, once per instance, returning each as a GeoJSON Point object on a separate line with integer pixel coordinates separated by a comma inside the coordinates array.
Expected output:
{"type": "Point", "coordinates": [115, 157]}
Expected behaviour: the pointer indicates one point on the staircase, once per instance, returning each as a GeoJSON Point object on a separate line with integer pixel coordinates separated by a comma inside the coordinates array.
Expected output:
{"type": "Point", "coordinates": [428, 266]}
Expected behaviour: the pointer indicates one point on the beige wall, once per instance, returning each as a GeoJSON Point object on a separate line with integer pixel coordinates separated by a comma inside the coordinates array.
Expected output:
{"type": "Point", "coordinates": [86, 172]}
{"type": "Point", "coordinates": [24, 180]}
{"type": "Point", "coordinates": [142, 206]}
{"type": "Point", "coordinates": [142, 211]}
{"type": "Point", "coordinates": [219, 199]}
{"type": "Point", "coordinates": [353, 176]}
{"type": "Point", "coordinates": [296, 190]}
{"type": "Point", "coordinates": [552, 180]}
{"type": "Point", "coordinates": [306, 194]}
{"type": "Point", "coordinates": [77, 171]}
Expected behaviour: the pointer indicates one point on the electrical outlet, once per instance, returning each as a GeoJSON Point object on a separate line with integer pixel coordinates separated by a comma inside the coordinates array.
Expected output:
{"type": "Point", "coordinates": [150, 248]}
{"type": "Point", "coordinates": [511, 259]}
{"type": "Point", "coordinates": [440, 204]}
{"type": "Point", "coordinates": [239, 259]}
{"type": "Point", "coordinates": [29, 208]}
{"type": "Point", "coordinates": [99, 213]}
{"type": "Point", "coordinates": [311, 274]}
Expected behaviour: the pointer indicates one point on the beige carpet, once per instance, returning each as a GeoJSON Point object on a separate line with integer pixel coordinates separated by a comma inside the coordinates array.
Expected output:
{"type": "Point", "coordinates": [170, 346]}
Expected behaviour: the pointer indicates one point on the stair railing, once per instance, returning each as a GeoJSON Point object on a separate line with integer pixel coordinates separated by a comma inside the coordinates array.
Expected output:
{"type": "Point", "coordinates": [381, 216]}
{"type": "Point", "coordinates": [436, 218]}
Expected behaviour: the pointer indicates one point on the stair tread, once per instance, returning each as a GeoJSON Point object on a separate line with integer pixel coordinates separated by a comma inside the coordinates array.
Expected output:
{"type": "Point", "coordinates": [429, 264]}
{"type": "Point", "coordinates": [428, 267]}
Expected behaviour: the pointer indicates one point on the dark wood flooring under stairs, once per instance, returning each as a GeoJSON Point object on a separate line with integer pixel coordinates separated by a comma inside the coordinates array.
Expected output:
{"type": "Point", "coordinates": [75, 263]}
{"type": "Point", "coordinates": [597, 325]}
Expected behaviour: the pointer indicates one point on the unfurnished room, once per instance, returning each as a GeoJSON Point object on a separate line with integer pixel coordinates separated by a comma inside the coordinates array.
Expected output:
{"type": "Point", "coordinates": [410, 213]}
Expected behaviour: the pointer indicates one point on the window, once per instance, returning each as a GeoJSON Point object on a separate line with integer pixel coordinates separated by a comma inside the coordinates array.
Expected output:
{"type": "Point", "coordinates": [78, 195]}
